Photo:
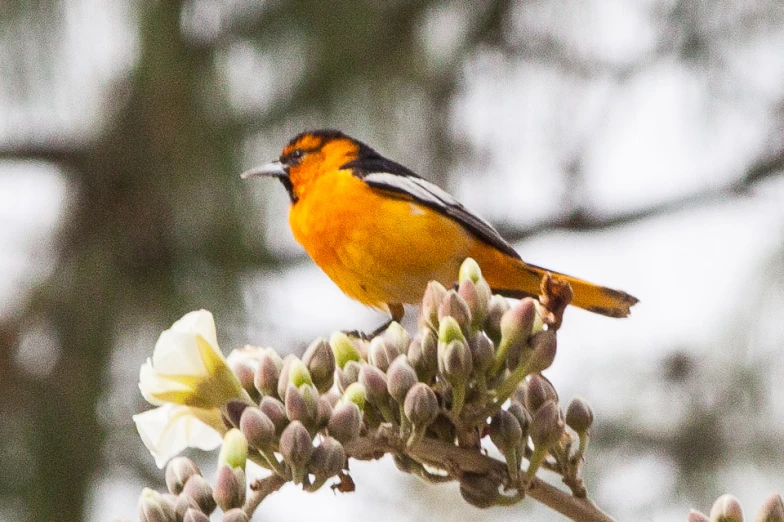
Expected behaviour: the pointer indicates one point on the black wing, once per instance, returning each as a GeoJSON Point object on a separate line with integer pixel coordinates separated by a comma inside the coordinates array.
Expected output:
{"type": "Point", "coordinates": [383, 174]}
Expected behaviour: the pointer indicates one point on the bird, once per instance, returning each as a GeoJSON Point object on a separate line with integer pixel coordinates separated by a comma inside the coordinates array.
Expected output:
{"type": "Point", "coordinates": [381, 232]}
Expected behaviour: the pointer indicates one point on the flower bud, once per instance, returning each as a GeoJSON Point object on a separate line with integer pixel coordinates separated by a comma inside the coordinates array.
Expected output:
{"type": "Point", "coordinates": [301, 403]}
{"type": "Point", "coordinates": [505, 432]}
{"type": "Point", "coordinates": [696, 516]}
{"type": "Point", "coordinates": [229, 490]}
{"type": "Point", "coordinates": [323, 412]}
{"type": "Point", "coordinates": [283, 379]}
{"type": "Point", "coordinates": [396, 337]}
{"type": "Point", "coordinates": [375, 383]}
{"type": "Point", "coordinates": [522, 416]}
{"type": "Point", "coordinates": [579, 416]}
{"type": "Point", "coordinates": [233, 411]}
{"type": "Point", "coordinates": [328, 458]}
{"type": "Point", "coordinates": [449, 330]}
{"type": "Point", "coordinates": [482, 352]}
{"type": "Point", "coordinates": [298, 373]}
{"type": "Point", "coordinates": [517, 322]}
{"type": "Point", "coordinates": [478, 490]}
{"type": "Point", "coordinates": [421, 405]}
{"type": "Point", "coordinates": [381, 354]}
{"type": "Point", "coordinates": [355, 393]}
{"type": "Point", "coordinates": [543, 354]}
{"type": "Point", "coordinates": [477, 304]}
{"type": "Point", "coordinates": [469, 271]}
{"type": "Point", "coordinates": [258, 429]}
{"type": "Point", "coordinates": [345, 422]}
{"type": "Point", "coordinates": [538, 391]}
{"type": "Point", "coordinates": [296, 446]}
{"type": "Point", "coordinates": [234, 451]}
{"type": "Point", "coordinates": [454, 361]}
{"type": "Point", "coordinates": [546, 426]}
{"type": "Point", "coordinates": [199, 490]}
{"type": "Point", "coordinates": [495, 311]}
{"type": "Point", "coordinates": [518, 395]}
{"type": "Point", "coordinates": [183, 504]}
{"type": "Point", "coordinates": [267, 372]}
{"type": "Point", "coordinates": [194, 515]}
{"type": "Point", "coordinates": [343, 349]}
{"type": "Point", "coordinates": [320, 362]}
{"type": "Point", "coordinates": [348, 375]}
{"type": "Point", "coordinates": [154, 508]}
{"type": "Point", "coordinates": [434, 294]}
{"type": "Point", "coordinates": [235, 515]}
{"type": "Point", "coordinates": [726, 509]}
{"type": "Point", "coordinates": [400, 378]}
{"type": "Point", "coordinates": [423, 354]}
{"type": "Point", "coordinates": [245, 374]}
{"type": "Point", "coordinates": [276, 412]}
{"type": "Point", "coordinates": [772, 509]}
{"type": "Point", "coordinates": [454, 306]}
{"type": "Point", "coordinates": [178, 471]}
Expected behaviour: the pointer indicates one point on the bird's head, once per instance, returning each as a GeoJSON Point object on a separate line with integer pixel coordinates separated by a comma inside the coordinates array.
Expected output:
{"type": "Point", "coordinates": [308, 156]}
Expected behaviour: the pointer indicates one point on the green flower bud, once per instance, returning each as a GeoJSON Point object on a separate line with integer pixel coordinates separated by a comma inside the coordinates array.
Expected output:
{"type": "Point", "coordinates": [348, 375]}
{"type": "Point", "coordinates": [478, 490]}
{"type": "Point", "coordinates": [543, 353]}
{"type": "Point", "coordinates": [726, 509]}
{"type": "Point", "coordinates": [396, 337]}
{"type": "Point", "coordinates": [538, 391]}
{"type": "Point", "coordinates": [154, 508]}
{"type": "Point", "coordinates": [454, 306]}
{"type": "Point", "coordinates": [183, 504]}
{"type": "Point", "coordinates": [375, 383]}
{"type": "Point", "coordinates": [505, 432]}
{"type": "Point", "coordinates": [401, 376]}
{"type": "Point", "coordinates": [772, 509]}
{"type": "Point", "coordinates": [343, 349]}
{"type": "Point", "coordinates": [229, 490]}
{"type": "Point", "coordinates": [258, 429]}
{"type": "Point", "coordinates": [283, 379]}
{"type": "Point", "coordinates": [355, 393]}
{"type": "Point", "coordinates": [267, 372]}
{"type": "Point", "coordinates": [381, 354]}
{"type": "Point", "coordinates": [546, 426]}
{"type": "Point", "coordinates": [482, 352]}
{"type": "Point", "coordinates": [235, 515]}
{"type": "Point", "coordinates": [421, 405]}
{"type": "Point", "coordinates": [234, 451]}
{"type": "Point", "coordinates": [495, 311]}
{"type": "Point", "coordinates": [477, 304]}
{"type": "Point", "coordinates": [517, 322]}
{"type": "Point", "coordinates": [199, 490]}
{"type": "Point", "coordinates": [423, 354]}
{"type": "Point", "coordinates": [345, 423]}
{"type": "Point", "coordinates": [178, 471]}
{"type": "Point", "coordinates": [455, 362]}
{"type": "Point", "coordinates": [298, 373]}
{"type": "Point", "coordinates": [320, 362]}
{"type": "Point", "coordinates": [328, 458]}
{"type": "Point", "coordinates": [428, 313]}
{"type": "Point", "coordinates": [296, 446]}
{"type": "Point", "coordinates": [276, 412]}
{"type": "Point", "coordinates": [449, 330]}
{"type": "Point", "coordinates": [301, 404]}
{"type": "Point", "coordinates": [696, 516]}
{"type": "Point", "coordinates": [469, 271]}
{"type": "Point", "coordinates": [194, 515]}
{"type": "Point", "coordinates": [579, 416]}
{"type": "Point", "coordinates": [323, 412]}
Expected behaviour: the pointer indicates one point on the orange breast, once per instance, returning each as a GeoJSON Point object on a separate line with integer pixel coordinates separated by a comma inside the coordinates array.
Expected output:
{"type": "Point", "coordinates": [377, 247]}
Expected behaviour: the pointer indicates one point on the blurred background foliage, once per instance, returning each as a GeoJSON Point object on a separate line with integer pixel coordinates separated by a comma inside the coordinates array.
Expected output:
{"type": "Point", "coordinates": [640, 144]}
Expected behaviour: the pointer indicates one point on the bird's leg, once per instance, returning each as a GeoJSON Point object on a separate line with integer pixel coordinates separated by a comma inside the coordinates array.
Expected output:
{"type": "Point", "coordinates": [397, 312]}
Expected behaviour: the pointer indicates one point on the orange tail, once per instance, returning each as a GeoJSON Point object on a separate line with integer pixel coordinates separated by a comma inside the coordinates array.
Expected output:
{"type": "Point", "coordinates": [591, 297]}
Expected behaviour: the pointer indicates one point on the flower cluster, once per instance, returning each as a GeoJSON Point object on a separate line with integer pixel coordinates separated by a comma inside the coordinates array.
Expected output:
{"type": "Point", "coordinates": [471, 372]}
{"type": "Point", "coordinates": [727, 509]}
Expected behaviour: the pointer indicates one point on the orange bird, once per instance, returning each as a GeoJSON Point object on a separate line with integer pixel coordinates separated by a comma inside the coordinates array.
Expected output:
{"type": "Point", "coordinates": [381, 232]}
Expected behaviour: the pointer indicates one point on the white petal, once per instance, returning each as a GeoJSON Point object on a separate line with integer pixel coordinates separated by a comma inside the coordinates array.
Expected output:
{"type": "Point", "coordinates": [152, 384]}
{"type": "Point", "coordinates": [177, 353]}
{"type": "Point", "coordinates": [199, 322]}
{"type": "Point", "coordinates": [168, 430]}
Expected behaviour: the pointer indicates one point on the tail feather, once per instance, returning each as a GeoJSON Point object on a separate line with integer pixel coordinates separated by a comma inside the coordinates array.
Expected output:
{"type": "Point", "coordinates": [591, 297]}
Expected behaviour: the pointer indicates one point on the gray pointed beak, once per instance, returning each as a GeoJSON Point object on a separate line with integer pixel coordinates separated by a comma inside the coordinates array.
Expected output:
{"type": "Point", "coordinates": [274, 169]}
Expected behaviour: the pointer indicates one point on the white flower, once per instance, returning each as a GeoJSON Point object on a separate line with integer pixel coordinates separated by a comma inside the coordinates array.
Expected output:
{"type": "Point", "coordinates": [171, 428]}
{"type": "Point", "coordinates": [188, 368]}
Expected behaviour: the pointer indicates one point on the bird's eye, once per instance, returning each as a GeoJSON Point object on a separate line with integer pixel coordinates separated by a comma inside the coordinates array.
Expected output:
{"type": "Point", "coordinates": [297, 154]}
